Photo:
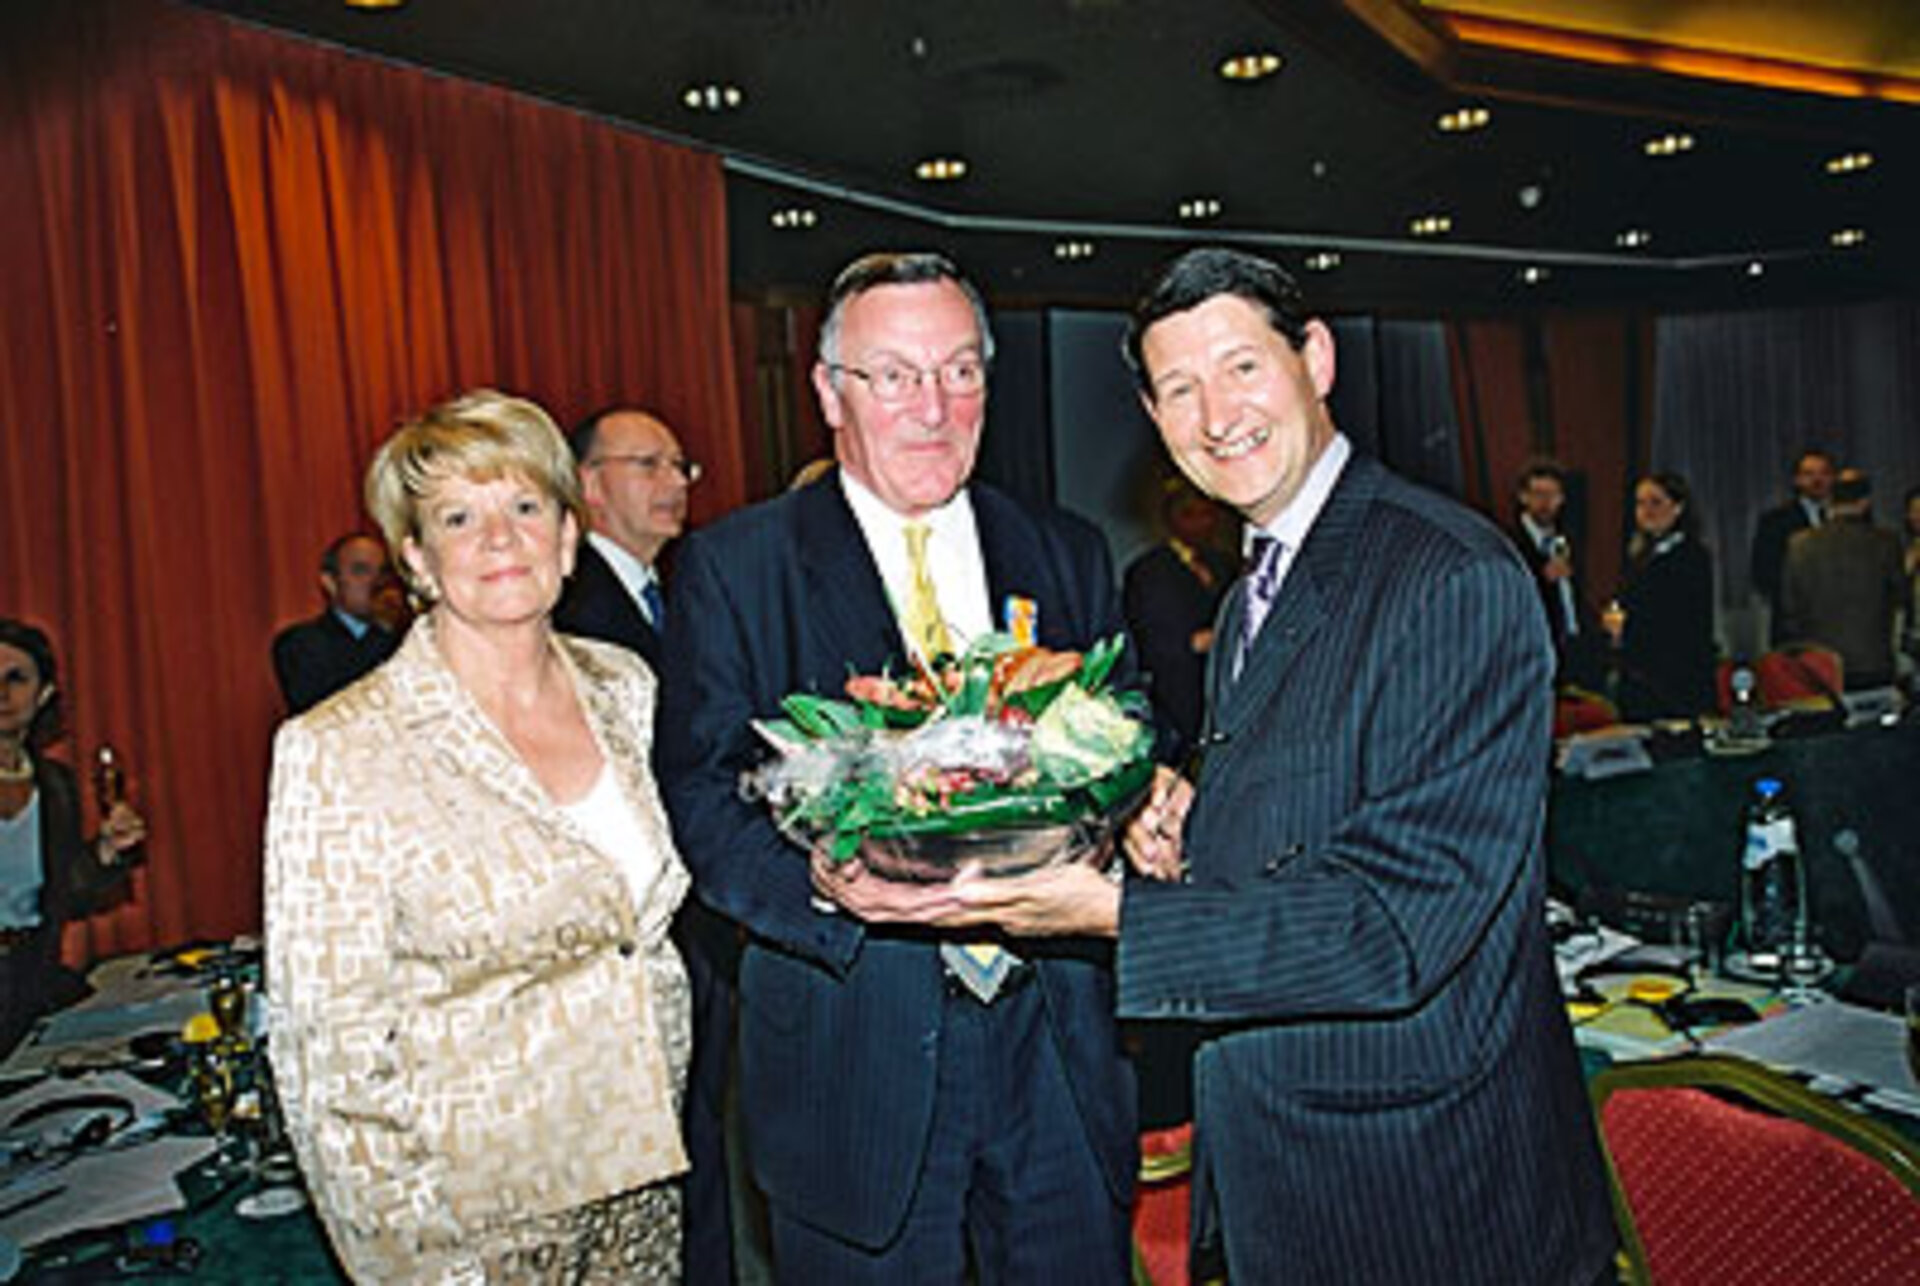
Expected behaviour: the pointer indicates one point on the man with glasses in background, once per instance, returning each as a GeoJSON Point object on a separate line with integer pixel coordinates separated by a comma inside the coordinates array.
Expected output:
{"type": "Point", "coordinates": [918, 1107]}
{"type": "Point", "coordinates": [634, 478]}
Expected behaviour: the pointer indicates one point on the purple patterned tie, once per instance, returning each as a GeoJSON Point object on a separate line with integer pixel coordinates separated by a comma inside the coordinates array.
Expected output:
{"type": "Point", "coordinates": [1263, 584]}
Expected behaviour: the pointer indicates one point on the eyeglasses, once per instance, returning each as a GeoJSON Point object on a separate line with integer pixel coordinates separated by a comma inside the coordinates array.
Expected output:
{"type": "Point", "coordinates": [902, 381]}
{"type": "Point", "coordinates": [654, 465]}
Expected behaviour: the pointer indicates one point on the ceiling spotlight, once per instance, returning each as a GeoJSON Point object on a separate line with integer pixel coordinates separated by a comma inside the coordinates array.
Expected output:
{"type": "Point", "coordinates": [1464, 120]}
{"type": "Point", "coordinates": [1848, 237]}
{"type": "Point", "coordinates": [1756, 269]}
{"type": "Point", "coordinates": [1533, 274]}
{"type": "Point", "coordinates": [1070, 251]}
{"type": "Point", "coordinates": [1323, 261]}
{"type": "Point", "coordinates": [794, 216]}
{"type": "Point", "coordinates": [712, 98]}
{"type": "Point", "coordinates": [1849, 162]}
{"type": "Point", "coordinates": [374, 4]}
{"type": "Point", "coordinates": [1200, 207]}
{"type": "Point", "coordinates": [1431, 225]}
{"type": "Point", "coordinates": [1250, 66]}
{"type": "Point", "coordinates": [1669, 145]}
{"type": "Point", "coordinates": [1530, 195]}
{"type": "Point", "coordinates": [941, 169]}
{"type": "Point", "coordinates": [1632, 238]}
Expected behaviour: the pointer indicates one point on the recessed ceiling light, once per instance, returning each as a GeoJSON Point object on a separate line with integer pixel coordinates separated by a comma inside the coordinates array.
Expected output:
{"type": "Point", "coordinates": [1323, 261]}
{"type": "Point", "coordinates": [1849, 162]}
{"type": "Point", "coordinates": [1072, 250]}
{"type": "Point", "coordinates": [1756, 269]}
{"type": "Point", "coordinates": [1669, 144]}
{"type": "Point", "coordinates": [1533, 274]}
{"type": "Point", "coordinates": [712, 98]}
{"type": "Point", "coordinates": [941, 169]}
{"type": "Point", "coordinates": [1431, 225]}
{"type": "Point", "coordinates": [374, 4]}
{"type": "Point", "coordinates": [1632, 238]}
{"type": "Point", "coordinates": [794, 216]}
{"type": "Point", "coordinates": [1464, 119]}
{"type": "Point", "coordinates": [1250, 66]}
{"type": "Point", "coordinates": [1200, 207]}
{"type": "Point", "coordinates": [1848, 237]}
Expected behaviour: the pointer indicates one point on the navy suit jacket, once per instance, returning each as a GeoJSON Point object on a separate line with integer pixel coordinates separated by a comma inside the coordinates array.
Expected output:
{"type": "Point", "coordinates": [840, 1022]}
{"type": "Point", "coordinates": [1393, 1094]}
{"type": "Point", "coordinates": [595, 604]}
{"type": "Point", "coordinates": [318, 657]}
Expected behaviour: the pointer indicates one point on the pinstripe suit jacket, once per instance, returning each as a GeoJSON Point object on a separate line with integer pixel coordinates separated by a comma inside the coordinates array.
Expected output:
{"type": "Point", "coordinates": [1393, 1095]}
{"type": "Point", "coordinates": [840, 1022]}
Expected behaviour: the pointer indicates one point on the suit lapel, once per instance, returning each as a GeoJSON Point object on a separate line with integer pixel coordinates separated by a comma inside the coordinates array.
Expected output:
{"type": "Point", "coordinates": [1313, 585]}
{"type": "Point", "coordinates": [847, 610]}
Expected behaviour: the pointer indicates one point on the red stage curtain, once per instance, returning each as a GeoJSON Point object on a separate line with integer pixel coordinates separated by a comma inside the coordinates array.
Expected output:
{"type": "Point", "coordinates": [233, 260]}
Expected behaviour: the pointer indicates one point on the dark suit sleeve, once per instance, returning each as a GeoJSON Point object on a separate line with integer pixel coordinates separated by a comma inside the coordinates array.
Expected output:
{"type": "Point", "coordinates": [741, 865]}
{"type": "Point", "coordinates": [1449, 736]}
{"type": "Point", "coordinates": [303, 673]}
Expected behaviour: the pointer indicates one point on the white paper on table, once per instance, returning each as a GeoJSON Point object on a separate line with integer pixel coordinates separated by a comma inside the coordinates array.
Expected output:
{"type": "Point", "coordinates": [102, 1189]}
{"type": "Point", "coordinates": [1832, 1039]}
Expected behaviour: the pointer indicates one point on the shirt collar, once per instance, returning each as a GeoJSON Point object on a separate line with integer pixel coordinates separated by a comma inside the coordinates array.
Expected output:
{"type": "Point", "coordinates": [1291, 525]}
{"type": "Point", "coordinates": [355, 626]}
{"type": "Point", "coordinates": [633, 573]}
{"type": "Point", "coordinates": [877, 518]}
{"type": "Point", "coordinates": [1536, 532]}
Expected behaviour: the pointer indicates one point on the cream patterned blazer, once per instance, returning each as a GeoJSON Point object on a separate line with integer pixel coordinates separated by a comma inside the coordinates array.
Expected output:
{"type": "Point", "coordinates": [465, 1003]}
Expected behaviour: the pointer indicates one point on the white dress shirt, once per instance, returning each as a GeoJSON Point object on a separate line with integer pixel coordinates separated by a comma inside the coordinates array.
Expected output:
{"type": "Point", "coordinates": [953, 559]}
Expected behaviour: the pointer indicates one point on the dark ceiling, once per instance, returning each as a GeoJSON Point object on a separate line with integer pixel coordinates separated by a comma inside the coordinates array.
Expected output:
{"type": "Point", "coordinates": [1091, 121]}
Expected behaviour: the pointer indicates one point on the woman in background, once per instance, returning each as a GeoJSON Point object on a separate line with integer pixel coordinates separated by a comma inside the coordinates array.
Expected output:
{"type": "Point", "coordinates": [49, 873]}
{"type": "Point", "coordinates": [1666, 639]}
{"type": "Point", "coordinates": [479, 1027]}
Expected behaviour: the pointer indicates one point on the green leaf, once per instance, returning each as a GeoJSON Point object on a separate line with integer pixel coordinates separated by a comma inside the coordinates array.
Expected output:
{"type": "Point", "coordinates": [821, 717]}
{"type": "Point", "coordinates": [1100, 661]}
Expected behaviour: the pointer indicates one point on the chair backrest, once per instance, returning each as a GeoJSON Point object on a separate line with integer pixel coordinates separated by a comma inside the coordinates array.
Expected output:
{"type": "Point", "coordinates": [1725, 1172]}
{"type": "Point", "coordinates": [1578, 710]}
{"type": "Point", "coordinates": [1801, 675]}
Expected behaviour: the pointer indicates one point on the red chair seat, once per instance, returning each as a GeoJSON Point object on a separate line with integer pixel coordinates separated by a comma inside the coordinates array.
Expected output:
{"type": "Point", "coordinates": [1725, 1195]}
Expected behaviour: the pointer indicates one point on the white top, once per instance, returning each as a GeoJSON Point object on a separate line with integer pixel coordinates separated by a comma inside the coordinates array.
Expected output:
{"type": "Point", "coordinates": [21, 873]}
{"type": "Point", "coordinates": [633, 573]}
{"type": "Point", "coordinates": [614, 827]}
{"type": "Point", "coordinates": [953, 558]}
{"type": "Point", "coordinates": [1291, 525]}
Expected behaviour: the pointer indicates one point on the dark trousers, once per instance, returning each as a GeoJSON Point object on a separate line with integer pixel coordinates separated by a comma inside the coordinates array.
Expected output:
{"type": "Point", "coordinates": [710, 948]}
{"type": "Point", "coordinates": [1011, 1192]}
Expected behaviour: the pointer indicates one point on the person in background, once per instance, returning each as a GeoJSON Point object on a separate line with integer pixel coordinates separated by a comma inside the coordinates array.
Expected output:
{"type": "Point", "coordinates": [1540, 499]}
{"type": "Point", "coordinates": [316, 658]}
{"type": "Point", "coordinates": [480, 1027]}
{"type": "Point", "coordinates": [1812, 484]}
{"type": "Point", "coordinates": [1910, 536]}
{"type": "Point", "coordinates": [1663, 623]}
{"type": "Point", "coordinates": [1171, 594]}
{"type": "Point", "coordinates": [917, 1107]}
{"type": "Point", "coordinates": [635, 480]}
{"type": "Point", "coordinates": [1846, 585]}
{"type": "Point", "coordinates": [50, 872]}
{"type": "Point", "coordinates": [1352, 894]}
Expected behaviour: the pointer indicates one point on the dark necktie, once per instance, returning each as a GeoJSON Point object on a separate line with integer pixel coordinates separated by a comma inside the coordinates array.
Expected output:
{"type": "Point", "coordinates": [1263, 585]}
{"type": "Point", "coordinates": [656, 605]}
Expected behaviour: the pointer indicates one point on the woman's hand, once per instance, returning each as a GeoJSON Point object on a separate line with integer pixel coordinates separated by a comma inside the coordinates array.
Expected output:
{"type": "Point", "coordinates": [123, 829]}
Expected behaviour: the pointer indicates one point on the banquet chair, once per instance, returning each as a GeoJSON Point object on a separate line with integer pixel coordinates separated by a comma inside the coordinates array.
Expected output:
{"type": "Point", "coordinates": [1578, 710]}
{"type": "Point", "coordinates": [1161, 1207]}
{"type": "Point", "coordinates": [1725, 1173]}
{"type": "Point", "coordinates": [1801, 676]}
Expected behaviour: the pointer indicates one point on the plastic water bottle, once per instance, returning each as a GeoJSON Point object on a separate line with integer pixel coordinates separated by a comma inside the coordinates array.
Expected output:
{"type": "Point", "coordinates": [1773, 882]}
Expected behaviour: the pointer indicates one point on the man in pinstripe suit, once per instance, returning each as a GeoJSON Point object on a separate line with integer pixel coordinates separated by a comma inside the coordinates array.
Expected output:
{"type": "Point", "coordinates": [1352, 891]}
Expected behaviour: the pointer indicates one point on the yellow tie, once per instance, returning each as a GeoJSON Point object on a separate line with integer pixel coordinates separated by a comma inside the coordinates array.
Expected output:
{"type": "Point", "coordinates": [924, 626]}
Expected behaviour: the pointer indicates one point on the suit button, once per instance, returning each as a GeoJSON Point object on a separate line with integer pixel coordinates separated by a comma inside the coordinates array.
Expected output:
{"type": "Point", "coordinates": [627, 949]}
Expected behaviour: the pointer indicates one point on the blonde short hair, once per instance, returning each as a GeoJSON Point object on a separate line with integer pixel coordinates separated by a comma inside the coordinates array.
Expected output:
{"type": "Point", "coordinates": [480, 435]}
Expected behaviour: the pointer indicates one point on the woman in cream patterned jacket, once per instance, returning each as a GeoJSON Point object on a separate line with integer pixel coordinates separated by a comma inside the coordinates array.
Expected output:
{"type": "Point", "coordinates": [478, 1025]}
